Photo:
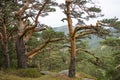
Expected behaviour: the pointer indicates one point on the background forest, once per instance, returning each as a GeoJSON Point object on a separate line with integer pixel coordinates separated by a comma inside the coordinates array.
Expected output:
{"type": "Point", "coordinates": [30, 50]}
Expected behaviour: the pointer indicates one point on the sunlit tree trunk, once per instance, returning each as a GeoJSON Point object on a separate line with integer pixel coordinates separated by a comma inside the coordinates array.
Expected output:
{"type": "Point", "coordinates": [72, 69]}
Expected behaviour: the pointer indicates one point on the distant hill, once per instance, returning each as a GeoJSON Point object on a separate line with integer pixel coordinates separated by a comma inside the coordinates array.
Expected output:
{"type": "Point", "coordinates": [62, 29]}
{"type": "Point", "coordinates": [92, 42]}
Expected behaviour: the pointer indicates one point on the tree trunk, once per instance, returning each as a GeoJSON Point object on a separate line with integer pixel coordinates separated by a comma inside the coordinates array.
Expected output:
{"type": "Point", "coordinates": [72, 69]}
{"type": "Point", "coordinates": [72, 66]}
{"type": "Point", "coordinates": [5, 47]}
{"type": "Point", "coordinates": [7, 58]}
{"type": "Point", "coordinates": [6, 55]}
{"type": "Point", "coordinates": [20, 49]}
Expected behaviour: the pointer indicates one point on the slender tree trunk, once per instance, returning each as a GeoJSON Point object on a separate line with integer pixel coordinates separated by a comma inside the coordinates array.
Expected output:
{"type": "Point", "coordinates": [72, 69]}
{"type": "Point", "coordinates": [5, 47]}
{"type": "Point", "coordinates": [72, 66]}
{"type": "Point", "coordinates": [20, 49]}
{"type": "Point", "coordinates": [6, 55]}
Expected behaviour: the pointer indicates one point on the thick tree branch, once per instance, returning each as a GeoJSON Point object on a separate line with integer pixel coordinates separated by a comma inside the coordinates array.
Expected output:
{"type": "Point", "coordinates": [86, 32]}
{"type": "Point", "coordinates": [36, 50]}
{"type": "Point", "coordinates": [84, 27]}
{"type": "Point", "coordinates": [28, 54]}
{"type": "Point", "coordinates": [33, 29]}
{"type": "Point", "coordinates": [26, 30]}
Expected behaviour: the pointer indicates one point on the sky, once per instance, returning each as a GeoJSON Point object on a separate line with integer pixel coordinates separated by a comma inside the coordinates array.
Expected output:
{"type": "Point", "coordinates": [110, 9]}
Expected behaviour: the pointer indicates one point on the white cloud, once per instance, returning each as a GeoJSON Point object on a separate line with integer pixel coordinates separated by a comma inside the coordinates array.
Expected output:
{"type": "Point", "coordinates": [110, 8]}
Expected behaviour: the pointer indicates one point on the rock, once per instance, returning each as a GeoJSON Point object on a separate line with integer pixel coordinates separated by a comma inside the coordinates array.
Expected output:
{"type": "Point", "coordinates": [45, 72]}
{"type": "Point", "coordinates": [64, 72]}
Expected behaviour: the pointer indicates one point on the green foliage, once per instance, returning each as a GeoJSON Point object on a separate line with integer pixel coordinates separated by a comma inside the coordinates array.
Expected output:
{"type": "Point", "coordinates": [94, 9]}
{"type": "Point", "coordinates": [114, 22]}
{"type": "Point", "coordinates": [112, 42]}
{"type": "Point", "coordinates": [113, 74]}
{"type": "Point", "coordinates": [50, 33]}
{"type": "Point", "coordinates": [30, 72]}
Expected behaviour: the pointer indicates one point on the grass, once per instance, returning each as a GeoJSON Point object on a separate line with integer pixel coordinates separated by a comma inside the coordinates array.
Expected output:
{"type": "Point", "coordinates": [11, 76]}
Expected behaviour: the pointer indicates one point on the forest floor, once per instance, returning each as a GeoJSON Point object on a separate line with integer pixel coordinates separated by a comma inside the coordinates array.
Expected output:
{"type": "Point", "coordinates": [79, 76]}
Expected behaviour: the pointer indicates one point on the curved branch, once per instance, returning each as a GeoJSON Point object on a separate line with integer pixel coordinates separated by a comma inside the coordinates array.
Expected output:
{"type": "Point", "coordinates": [84, 27]}
{"type": "Point", "coordinates": [88, 52]}
{"type": "Point", "coordinates": [87, 32]}
{"type": "Point", "coordinates": [33, 30]}
{"type": "Point", "coordinates": [36, 50]}
{"type": "Point", "coordinates": [26, 30]}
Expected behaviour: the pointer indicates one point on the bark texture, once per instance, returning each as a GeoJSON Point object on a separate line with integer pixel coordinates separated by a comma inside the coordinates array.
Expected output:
{"type": "Point", "coordinates": [20, 49]}
{"type": "Point", "coordinates": [72, 65]}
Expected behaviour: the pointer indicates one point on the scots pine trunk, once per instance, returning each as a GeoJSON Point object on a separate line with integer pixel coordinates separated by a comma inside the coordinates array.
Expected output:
{"type": "Point", "coordinates": [72, 69]}
{"type": "Point", "coordinates": [6, 55]}
{"type": "Point", "coordinates": [72, 65]}
{"type": "Point", "coordinates": [5, 47]}
{"type": "Point", "coordinates": [20, 49]}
